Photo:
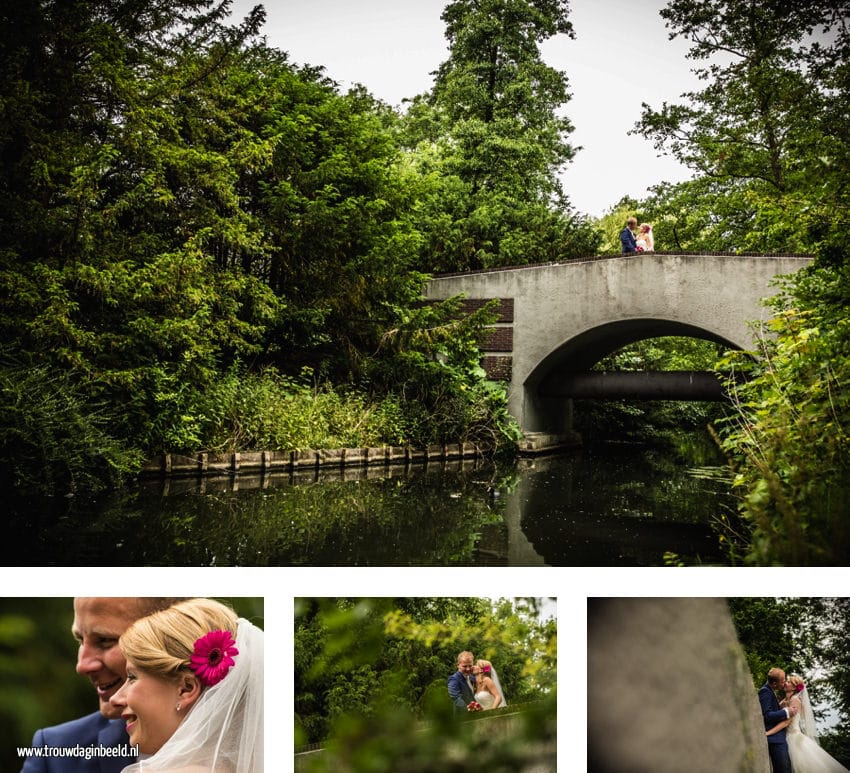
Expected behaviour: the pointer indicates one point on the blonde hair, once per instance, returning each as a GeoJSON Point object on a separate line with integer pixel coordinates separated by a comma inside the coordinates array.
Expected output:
{"type": "Point", "coordinates": [796, 681]}
{"type": "Point", "coordinates": [162, 643]}
{"type": "Point", "coordinates": [481, 663]}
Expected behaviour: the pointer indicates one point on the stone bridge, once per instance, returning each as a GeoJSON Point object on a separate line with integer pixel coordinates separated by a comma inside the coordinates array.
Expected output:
{"type": "Point", "coordinates": [557, 320]}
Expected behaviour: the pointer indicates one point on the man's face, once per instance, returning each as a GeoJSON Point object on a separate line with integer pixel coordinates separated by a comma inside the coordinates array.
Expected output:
{"type": "Point", "coordinates": [464, 665]}
{"type": "Point", "coordinates": [98, 622]}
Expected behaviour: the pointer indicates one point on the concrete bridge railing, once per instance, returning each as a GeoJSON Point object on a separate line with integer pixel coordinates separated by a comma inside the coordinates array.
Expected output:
{"type": "Point", "coordinates": [557, 320]}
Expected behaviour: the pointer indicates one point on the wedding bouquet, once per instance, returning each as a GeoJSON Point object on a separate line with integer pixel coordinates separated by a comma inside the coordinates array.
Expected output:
{"type": "Point", "coordinates": [473, 706]}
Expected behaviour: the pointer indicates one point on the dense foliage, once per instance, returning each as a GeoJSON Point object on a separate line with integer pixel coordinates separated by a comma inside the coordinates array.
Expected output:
{"type": "Point", "coordinates": [368, 671]}
{"type": "Point", "coordinates": [789, 441]}
{"type": "Point", "coordinates": [200, 238]}
{"type": "Point", "coordinates": [767, 139]}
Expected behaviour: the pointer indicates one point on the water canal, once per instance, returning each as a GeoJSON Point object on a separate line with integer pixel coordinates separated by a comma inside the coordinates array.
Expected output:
{"type": "Point", "coordinates": [610, 505]}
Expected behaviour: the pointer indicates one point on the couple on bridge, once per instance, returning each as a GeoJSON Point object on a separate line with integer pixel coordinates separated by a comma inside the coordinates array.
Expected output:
{"type": "Point", "coordinates": [643, 242]}
{"type": "Point", "coordinates": [475, 685]}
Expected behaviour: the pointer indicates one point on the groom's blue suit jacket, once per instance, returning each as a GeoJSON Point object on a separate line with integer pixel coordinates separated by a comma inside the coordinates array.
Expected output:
{"type": "Point", "coordinates": [459, 692]}
{"type": "Point", "coordinates": [627, 239]}
{"type": "Point", "coordinates": [772, 714]}
{"type": "Point", "coordinates": [92, 730]}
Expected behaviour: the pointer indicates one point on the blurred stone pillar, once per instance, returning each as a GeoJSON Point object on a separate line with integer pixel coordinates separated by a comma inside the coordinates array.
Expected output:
{"type": "Point", "coordinates": [669, 689]}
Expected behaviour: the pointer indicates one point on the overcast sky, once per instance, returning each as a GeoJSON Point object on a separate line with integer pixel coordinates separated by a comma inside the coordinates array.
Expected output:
{"type": "Point", "coordinates": [620, 58]}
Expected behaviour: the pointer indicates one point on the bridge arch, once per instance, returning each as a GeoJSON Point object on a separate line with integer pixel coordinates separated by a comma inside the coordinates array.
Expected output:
{"type": "Point", "coordinates": [558, 317]}
{"type": "Point", "coordinates": [558, 377]}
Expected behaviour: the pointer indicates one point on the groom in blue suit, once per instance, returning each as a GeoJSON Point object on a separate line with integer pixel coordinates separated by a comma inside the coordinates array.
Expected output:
{"type": "Point", "coordinates": [776, 744]}
{"type": "Point", "coordinates": [98, 623]}
{"type": "Point", "coordinates": [462, 683]}
{"type": "Point", "coordinates": [627, 236]}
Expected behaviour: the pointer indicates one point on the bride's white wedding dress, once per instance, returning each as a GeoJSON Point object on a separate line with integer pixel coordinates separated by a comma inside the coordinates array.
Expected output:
{"type": "Point", "coordinates": [646, 243]}
{"type": "Point", "coordinates": [806, 755]}
{"type": "Point", "coordinates": [486, 698]}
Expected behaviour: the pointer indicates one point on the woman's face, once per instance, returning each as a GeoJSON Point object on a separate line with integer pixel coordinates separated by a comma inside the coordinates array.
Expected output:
{"type": "Point", "coordinates": [148, 705]}
{"type": "Point", "coordinates": [476, 670]}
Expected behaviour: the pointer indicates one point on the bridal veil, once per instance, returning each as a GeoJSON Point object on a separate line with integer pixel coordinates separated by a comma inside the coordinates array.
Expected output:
{"type": "Point", "coordinates": [223, 730]}
{"type": "Point", "coordinates": [498, 684]}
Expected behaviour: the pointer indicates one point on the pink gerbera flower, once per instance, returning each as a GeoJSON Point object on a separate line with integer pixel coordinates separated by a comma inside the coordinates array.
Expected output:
{"type": "Point", "coordinates": [212, 657]}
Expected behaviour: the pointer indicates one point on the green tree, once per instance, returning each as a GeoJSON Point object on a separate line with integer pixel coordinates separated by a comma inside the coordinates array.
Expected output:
{"type": "Point", "coordinates": [777, 633]}
{"type": "Point", "coordinates": [490, 133]}
{"type": "Point", "coordinates": [833, 646]}
{"type": "Point", "coordinates": [331, 201]}
{"type": "Point", "coordinates": [111, 206]}
{"type": "Point", "coordinates": [765, 136]}
{"type": "Point", "coordinates": [180, 203]}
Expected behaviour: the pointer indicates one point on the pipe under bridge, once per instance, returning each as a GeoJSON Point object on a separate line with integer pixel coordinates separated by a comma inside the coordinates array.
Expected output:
{"type": "Point", "coordinates": [636, 385]}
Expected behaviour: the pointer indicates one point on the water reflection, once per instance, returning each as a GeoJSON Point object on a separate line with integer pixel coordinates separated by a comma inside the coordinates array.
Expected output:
{"type": "Point", "coordinates": [425, 516]}
{"type": "Point", "coordinates": [617, 506]}
{"type": "Point", "coordinates": [599, 507]}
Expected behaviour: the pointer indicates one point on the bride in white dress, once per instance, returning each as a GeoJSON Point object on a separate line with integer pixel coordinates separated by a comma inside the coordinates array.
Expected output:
{"type": "Point", "coordinates": [803, 748]}
{"type": "Point", "coordinates": [488, 690]}
{"type": "Point", "coordinates": [645, 240]}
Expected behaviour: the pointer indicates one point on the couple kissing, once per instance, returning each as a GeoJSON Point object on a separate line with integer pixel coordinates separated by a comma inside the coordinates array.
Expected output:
{"type": "Point", "coordinates": [790, 727]}
{"type": "Point", "coordinates": [475, 686]}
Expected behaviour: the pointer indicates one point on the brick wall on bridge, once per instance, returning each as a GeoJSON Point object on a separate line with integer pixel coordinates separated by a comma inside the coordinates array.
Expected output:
{"type": "Point", "coordinates": [497, 348]}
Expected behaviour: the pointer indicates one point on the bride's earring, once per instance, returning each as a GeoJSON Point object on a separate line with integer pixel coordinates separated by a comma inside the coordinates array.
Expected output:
{"type": "Point", "coordinates": [179, 706]}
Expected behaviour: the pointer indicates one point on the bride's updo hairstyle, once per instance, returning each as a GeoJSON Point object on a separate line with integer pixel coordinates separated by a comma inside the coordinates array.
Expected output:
{"type": "Point", "coordinates": [485, 665]}
{"type": "Point", "coordinates": [162, 643]}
